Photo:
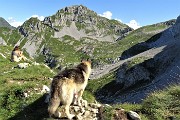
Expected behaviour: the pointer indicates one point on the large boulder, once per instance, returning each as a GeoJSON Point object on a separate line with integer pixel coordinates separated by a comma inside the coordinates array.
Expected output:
{"type": "Point", "coordinates": [2, 42]}
{"type": "Point", "coordinates": [131, 76]}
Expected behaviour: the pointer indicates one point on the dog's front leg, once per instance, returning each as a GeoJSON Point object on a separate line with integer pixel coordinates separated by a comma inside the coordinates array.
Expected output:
{"type": "Point", "coordinates": [75, 99]}
{"type": "Point", "coordinates": [69, 116]}
{"type": "Point", "coordinates": [79, 97]}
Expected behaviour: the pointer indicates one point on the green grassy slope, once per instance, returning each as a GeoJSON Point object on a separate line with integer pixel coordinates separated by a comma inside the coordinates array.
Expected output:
{"type": "Point", "coordinates": [15, 82]}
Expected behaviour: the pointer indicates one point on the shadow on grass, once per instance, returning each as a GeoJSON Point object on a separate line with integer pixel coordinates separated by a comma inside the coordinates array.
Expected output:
{"type": "Point", "coordinates": [35, 111]}
{"type": "Point", "coordinates": [140, 47]}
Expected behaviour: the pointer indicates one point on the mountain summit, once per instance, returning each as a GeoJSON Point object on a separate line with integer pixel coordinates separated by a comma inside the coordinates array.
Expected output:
{"type": "Point", "coordinates": [4, 23]}
{"type": "Point", "coordinates": [78, 21]}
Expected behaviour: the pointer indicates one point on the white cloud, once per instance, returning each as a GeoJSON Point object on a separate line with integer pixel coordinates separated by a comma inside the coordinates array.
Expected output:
{"type": "Point", "coordinates": [41, 18]}
{"type": "Point", "coordinates": [118, 20]}
{"type": "Point", "coordinates": [106, 14]}
{"type": "Point", "coordinates": [133, 24]}
{"type": "Point", "coordinates": [13, 22]}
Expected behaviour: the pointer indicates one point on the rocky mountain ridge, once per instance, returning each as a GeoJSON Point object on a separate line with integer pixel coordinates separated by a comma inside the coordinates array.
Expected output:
{"type": "Point", "coordinates": [85, 23]}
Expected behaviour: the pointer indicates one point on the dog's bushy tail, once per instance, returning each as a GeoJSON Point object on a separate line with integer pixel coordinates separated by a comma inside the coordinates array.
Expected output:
{"type": "Point", "coordinates": [53, 105]}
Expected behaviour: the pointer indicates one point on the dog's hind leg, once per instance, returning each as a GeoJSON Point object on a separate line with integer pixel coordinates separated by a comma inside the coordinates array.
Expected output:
{"type": "Point", "coordinates": [68, 103]}
{"type": "Point", "coordinates": [52, 108]}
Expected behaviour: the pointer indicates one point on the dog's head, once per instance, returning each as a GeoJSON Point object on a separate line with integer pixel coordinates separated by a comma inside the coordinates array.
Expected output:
{"type": "Point", "coordinates": [87, 62]}
{"type": "Point", "coordinates": [86, 65]}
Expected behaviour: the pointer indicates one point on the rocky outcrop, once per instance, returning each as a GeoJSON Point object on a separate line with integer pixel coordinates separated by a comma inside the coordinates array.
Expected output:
{"type": "Point", "coordinates": [30, 27]}
{"type": "Point", "coordinates": [131, 76]}
{"type": "Point", "coordinates": [49, 59]}
{"type": "Point", "coordinates": [168, 23]}
{"type": "Point", "coordinates": [33, 33]}
{"type": "Point", "coordinates": [96, 111]}
{"type": "Point", "coordinates": [121, 114]}
{"type": "Point", "coordinates": [2, 42]}
{"type": "Point", "coordinates": [47, 21]}
{"type": "Point", "coordinates": [88, 50]}
{"type": "Point", "coordinates": [23, 32]}
{"type": "Point", "coordinates": [133, 115]}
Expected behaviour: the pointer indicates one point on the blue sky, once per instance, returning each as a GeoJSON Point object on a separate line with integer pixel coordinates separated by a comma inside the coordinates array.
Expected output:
{"type": "Point", "coordinates": [135, 13]}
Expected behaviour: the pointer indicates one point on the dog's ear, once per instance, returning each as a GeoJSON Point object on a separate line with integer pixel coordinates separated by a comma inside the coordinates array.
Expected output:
{"type": "Point", "coordinates": [82, 59]}
{"type": "Point", "coordinates": [89, 60]}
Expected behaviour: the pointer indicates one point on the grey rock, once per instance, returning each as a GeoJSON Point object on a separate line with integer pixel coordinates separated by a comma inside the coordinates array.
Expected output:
{"type": "Point", "coordinates": [23, 31]}
{"type": "Point", "coordinates": [47, 21]}
{"type": "Point", "coordinates": [133, 115]}
{"type": "Point", "coordinates": [2, 42]}
{"type": "Point", "coordinates": [130, 76]}
{"type": "Point", "coordinates": [23, 65]}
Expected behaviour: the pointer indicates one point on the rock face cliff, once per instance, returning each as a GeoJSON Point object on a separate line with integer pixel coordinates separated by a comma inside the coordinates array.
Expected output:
{"type": "Point", "coordinates": [78, 22]}
{"type": "Point", "coordinates": [135, 82]}
{"type": "Point", "coordinates": [2, 42]}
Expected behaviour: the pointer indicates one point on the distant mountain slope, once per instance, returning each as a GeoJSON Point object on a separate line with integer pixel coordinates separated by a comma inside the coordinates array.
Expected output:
{"type": "Point", "coordinates": [148, 71]}
{"type": "Point", "coordinates": [150, 33]}
{"type": "Point", "coordinates": [134, 43]}
{"type": "Point", "coordinates": [4, 23]}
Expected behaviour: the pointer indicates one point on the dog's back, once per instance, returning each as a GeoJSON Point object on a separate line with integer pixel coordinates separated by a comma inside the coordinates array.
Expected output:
{"type": "Point", "coordinates": [66, 84]}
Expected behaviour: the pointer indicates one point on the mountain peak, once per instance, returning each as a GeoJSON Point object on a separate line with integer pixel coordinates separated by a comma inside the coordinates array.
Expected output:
{"type": "Point", "coordinates": [4, 23]}
{"type": "Point", "coordinates": [76, 9]}
{"type": "Point", "coordinates": [178, 19]}
{"type": "Point", "coordinates": [86, 23]}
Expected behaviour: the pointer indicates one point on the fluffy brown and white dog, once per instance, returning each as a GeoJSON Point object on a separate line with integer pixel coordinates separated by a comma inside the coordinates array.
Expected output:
{"type": "Point", "coordinates": [65, 85]}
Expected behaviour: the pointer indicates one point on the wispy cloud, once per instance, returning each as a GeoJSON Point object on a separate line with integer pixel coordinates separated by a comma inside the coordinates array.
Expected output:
{"type": "Point", "coordinates": [41, 18]}
{"type": "Point", "coordinates": [13, 22]}
{"type": "Point", "coordinates": [133, 24]}
{"type": "Point", "coordinates": [106, 14]}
